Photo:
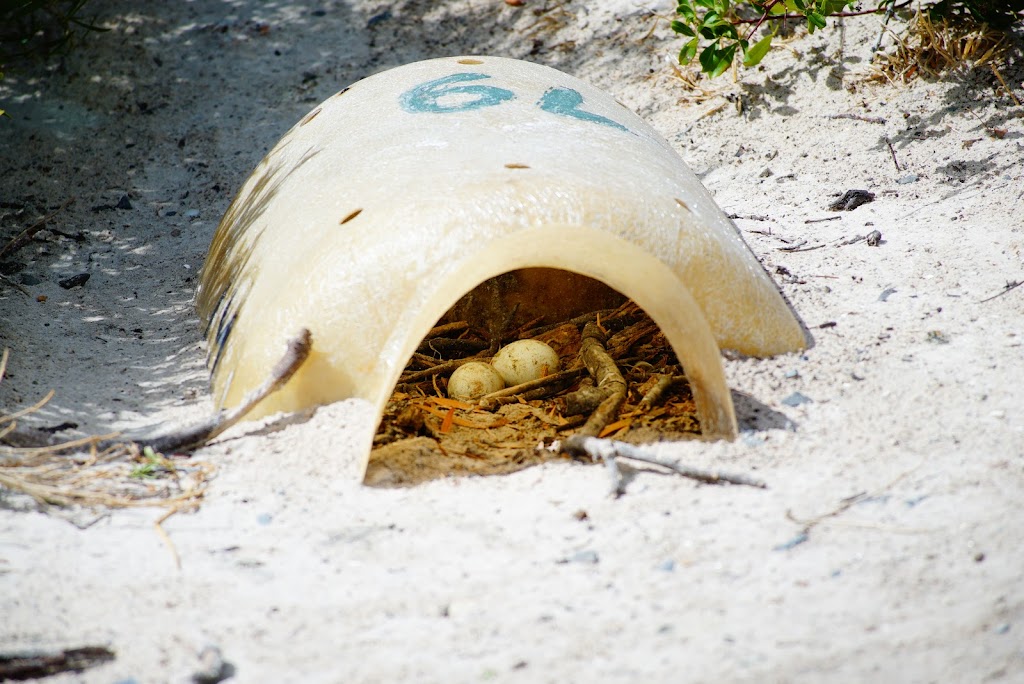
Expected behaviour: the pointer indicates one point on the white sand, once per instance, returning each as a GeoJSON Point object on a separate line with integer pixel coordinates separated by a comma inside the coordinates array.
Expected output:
{"type": "Point", "coordinates": [298, 573]}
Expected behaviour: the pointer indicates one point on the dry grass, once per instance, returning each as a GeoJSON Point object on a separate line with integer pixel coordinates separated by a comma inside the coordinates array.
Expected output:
{"type": "Point", "coordinates": [932, 46]}
{"type": "Point", "coordinates": [96, 471]}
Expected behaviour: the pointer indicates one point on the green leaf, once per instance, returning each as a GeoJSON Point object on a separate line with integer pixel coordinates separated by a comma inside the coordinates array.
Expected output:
{"type": "Point", "coordinates": [687, 12]}
{"type": "Point", "coordinates": [814, 20]}
{"type": "Point", "coordinates": [721, 28]}
{"type": "Point", "coordinates": [708, 57]}
{"type": "Point", "coordinates": [715, 60]}
{"type": "Point", "coordinates": [680, 27]}
{"type": "Point", "coordinates": [724, 61]}
{"type": "Point", "coordinates": [688, 52]}
{"type": "Point", "coordinates": [828, 7]}
{"type": "Point", "coordinates": [754, 55]}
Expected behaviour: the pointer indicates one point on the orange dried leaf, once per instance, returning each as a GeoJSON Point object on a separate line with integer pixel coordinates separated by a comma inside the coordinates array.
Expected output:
{"type": "Point", "coordinates": [451, 403]}
{"type": "Point", "coordinates": [446, 424]}
{"type": "Point", "coordinates": [622, 424]}
{"type": "Point", "coordinates": [461, 422]}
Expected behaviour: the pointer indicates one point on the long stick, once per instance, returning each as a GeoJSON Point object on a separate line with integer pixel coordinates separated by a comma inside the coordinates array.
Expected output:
{"type": "Point", "coordinates": [608, 449]}
{"type": "Point", "coordinates": [198, 435]}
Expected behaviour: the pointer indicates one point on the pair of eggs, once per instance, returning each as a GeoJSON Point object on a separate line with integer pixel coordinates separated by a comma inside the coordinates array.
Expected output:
{"type": "Point", "coordinates": [514, 364]}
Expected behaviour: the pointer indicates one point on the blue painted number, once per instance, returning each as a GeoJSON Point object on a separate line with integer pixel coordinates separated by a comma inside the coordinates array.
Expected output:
{"type": "Point", "coordinates": [426, 97]}
{"type": "Point", "coordinates": [566, 102]}
{"type": "Point", "coordinates": [443, 95]}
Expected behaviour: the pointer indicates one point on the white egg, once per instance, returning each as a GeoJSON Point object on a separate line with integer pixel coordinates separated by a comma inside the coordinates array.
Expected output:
{"type": "Point", "coordinates": [525, 360]}
{"type": "Point", "coordinates": [473, 380]}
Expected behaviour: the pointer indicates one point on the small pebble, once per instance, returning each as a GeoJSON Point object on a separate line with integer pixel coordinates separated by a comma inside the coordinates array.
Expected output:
{"type": "Point", "coordinates": [192, 213]}
{"type": "Point", "coordinates": [583, 557]}
{"type": "Point", "coordinates": [124, 203]}
{"type": "Point", "coordinates": [264, 518]}
{"type": "Point", "coordinates": [796, 399]}
{"type": "Point", "coordinates": [378, 18]}
{"type": "Point", "coordinates": [212, 667]}
{"type": "Point", "coordinates": [74, 281]}
{"type": "Point", "coordinates": [1003, 628]}
{"type": "Point", "coordinates": [852, 199]}
{"type": "Point", "coordinates": [794, 373]}
{"type": "Point", "coordinates": [909, 178]}
{"type": "Point", "coordinates": [29, 279]}
{"type": "Point", "coordinates": [668, 566]}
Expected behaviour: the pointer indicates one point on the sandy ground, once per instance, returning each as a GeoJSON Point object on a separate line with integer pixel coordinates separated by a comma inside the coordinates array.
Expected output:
{"type": "Point", "coordinates": [297, 572]}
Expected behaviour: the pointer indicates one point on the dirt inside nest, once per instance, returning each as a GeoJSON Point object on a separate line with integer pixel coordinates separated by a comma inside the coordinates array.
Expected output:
{"type": "Point", "coordinates": [425, 435]}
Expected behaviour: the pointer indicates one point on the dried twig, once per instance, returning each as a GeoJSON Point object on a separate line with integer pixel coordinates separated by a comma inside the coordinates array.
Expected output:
{"type": "Point", "coordinates": [604, 314]}
{"type": "Point", "coordinates": [808, 524]}
{"type": "Point", "coordinates": [189, 438]}
{"type": "Point", "coordinates": [858, 117]}
{"type": "Point", "coordinates": [489, 401]}
{"type": "Point", "coordinates": [800, 247]}
{"type": "Point", "coordinates": [451, 346]}
{"type": "Point", "coordinates": [607, 376]}
{"type": "Point", "coordinates": [654, 395]}
{"type": "Point", "coordinates": [892, 152]}
{"type": "Point", "coordinates": [17, 286]}
{"type": "Point", "coordinates": [1012, 285]}
{"type": "Point", "coordinates": [198, 435]}
{"type": "Point", "coordinates": [23, 238]}
{"type": "Point", "coordinates": [440, 369]}
{"type": "Point", "coordinates": [608, 450]}
{"type": "Point", "coordinates": [453, 328]}
{"type": "Point", "coordinates": [40, 664]}
{"type": "Point", "coordinates": [1006, 88]}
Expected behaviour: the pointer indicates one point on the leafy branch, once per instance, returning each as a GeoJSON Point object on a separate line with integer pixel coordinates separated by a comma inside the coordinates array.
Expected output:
{"type": "Point", "coordinates": [714, 24]}
{"type": "Point", "coordinates": [715, 30]}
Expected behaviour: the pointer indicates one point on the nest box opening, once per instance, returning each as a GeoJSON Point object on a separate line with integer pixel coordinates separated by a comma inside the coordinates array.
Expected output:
{"type": "Point", "coordinates": [426, 433]}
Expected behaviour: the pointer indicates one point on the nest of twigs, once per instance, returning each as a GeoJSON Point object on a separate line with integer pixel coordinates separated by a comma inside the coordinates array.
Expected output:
{"type": "Point", "coordinates": [96, 471]}
{"type": "Point", "coordinates": [425, 435]}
